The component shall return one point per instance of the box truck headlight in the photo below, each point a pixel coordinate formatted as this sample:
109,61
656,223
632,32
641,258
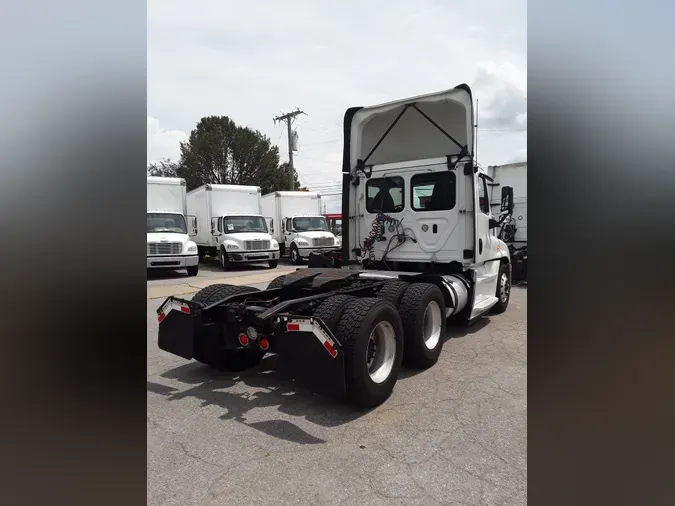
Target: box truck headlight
232,246
275,244
192,248
302,242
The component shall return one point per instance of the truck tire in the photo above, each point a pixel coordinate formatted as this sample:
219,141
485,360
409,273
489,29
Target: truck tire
331,310
503,292
423,315
210,353
393,292
371,335
192,271
222,259
273,264
295,255
218,291
277,282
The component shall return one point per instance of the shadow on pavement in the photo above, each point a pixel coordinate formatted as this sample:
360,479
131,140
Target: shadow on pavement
453,331
273,389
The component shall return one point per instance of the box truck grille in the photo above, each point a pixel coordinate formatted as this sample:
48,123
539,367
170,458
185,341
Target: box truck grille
256,245
323,241
165,248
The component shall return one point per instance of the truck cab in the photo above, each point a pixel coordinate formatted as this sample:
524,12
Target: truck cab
306,234
416,201
244,238
169,244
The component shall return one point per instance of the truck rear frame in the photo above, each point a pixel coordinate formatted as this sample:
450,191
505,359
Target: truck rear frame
317,321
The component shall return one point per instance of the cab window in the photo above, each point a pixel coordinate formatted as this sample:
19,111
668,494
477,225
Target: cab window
385,194
433,191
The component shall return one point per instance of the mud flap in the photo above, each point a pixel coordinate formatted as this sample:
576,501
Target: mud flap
178,321
305,358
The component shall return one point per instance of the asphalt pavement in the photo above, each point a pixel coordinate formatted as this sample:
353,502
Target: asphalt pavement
454,434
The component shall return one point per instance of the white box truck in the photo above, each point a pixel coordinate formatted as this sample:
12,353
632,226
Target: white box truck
298,224
168,239
230,225
514,230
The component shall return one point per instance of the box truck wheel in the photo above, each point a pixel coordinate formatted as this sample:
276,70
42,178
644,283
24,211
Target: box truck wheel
503,290
295,255
193,270
222,258
273,264
371,334
423,315
210,352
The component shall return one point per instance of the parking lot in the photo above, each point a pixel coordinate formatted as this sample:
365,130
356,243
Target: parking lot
454,434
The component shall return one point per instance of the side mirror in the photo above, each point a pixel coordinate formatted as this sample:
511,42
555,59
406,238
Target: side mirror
507,200
192,220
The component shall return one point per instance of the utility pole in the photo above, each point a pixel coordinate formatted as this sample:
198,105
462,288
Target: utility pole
288,118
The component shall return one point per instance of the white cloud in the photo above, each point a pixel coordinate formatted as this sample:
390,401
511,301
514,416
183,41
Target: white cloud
163,143
253,60
521,156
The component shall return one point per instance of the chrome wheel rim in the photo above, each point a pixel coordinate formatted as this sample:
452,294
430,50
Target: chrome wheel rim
294,255
504,288
381,352
432,325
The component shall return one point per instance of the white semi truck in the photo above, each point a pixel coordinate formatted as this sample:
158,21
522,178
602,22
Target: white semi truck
298,223
418,250
168,239
230,225
514,230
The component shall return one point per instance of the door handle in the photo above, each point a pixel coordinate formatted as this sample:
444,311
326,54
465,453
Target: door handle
480,246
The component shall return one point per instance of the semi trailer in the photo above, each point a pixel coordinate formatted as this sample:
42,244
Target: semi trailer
230,225
168,232
418,251
298,224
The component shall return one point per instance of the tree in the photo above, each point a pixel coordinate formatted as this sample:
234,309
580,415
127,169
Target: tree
277,180
164,168
220,152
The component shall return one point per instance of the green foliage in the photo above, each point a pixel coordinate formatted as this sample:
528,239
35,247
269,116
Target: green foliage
164,168
219,151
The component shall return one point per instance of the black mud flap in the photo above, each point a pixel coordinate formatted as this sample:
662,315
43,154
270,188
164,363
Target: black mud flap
303,357
178,323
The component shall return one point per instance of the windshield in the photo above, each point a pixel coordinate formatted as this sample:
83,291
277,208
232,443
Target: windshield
165,222
236,224
310,224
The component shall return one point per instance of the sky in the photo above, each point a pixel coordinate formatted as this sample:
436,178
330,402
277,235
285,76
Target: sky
254,60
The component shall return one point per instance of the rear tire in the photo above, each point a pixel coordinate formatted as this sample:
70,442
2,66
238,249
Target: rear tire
331,310
192,271
393,292
371,335
273,264
503,292
423,315
277,282
213,353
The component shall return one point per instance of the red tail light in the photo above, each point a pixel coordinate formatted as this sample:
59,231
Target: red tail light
264,343
243,339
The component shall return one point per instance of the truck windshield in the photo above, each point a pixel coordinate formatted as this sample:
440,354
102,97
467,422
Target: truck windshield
166,222
310,224
236,224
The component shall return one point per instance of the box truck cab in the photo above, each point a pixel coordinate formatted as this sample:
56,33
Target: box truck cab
230,225
299,226
168,232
